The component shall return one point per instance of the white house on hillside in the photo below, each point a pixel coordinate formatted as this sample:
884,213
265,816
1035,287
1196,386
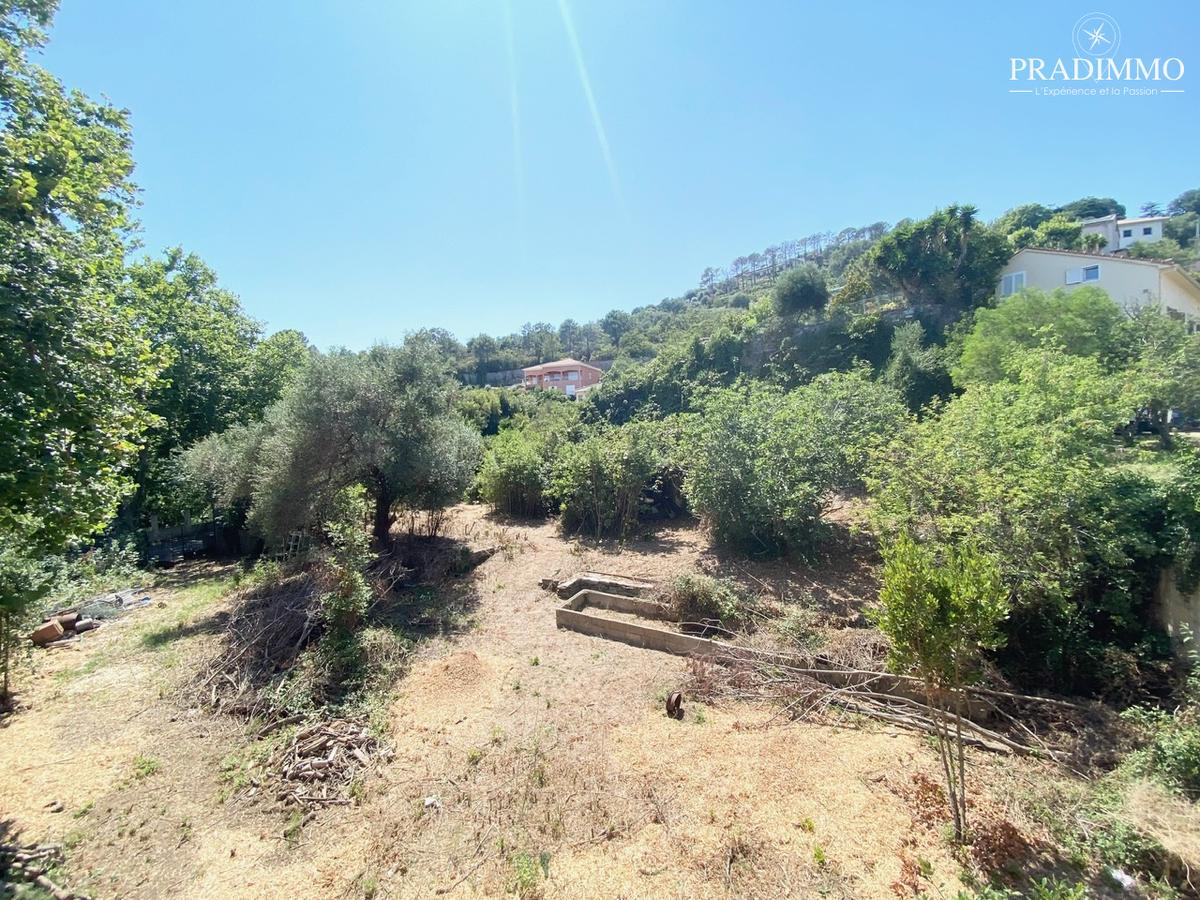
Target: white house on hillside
1132,283
1121,234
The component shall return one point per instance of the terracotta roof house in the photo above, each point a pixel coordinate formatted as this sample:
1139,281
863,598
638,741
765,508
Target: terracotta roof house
570,376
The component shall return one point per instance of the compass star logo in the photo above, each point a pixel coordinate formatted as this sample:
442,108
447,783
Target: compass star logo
1096,34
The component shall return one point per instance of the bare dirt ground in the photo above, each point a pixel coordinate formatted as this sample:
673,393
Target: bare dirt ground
527,760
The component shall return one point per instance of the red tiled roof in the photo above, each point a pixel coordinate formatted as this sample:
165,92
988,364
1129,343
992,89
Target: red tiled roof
558,364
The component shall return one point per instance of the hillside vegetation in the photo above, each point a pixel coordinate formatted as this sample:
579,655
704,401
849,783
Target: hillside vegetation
1010,476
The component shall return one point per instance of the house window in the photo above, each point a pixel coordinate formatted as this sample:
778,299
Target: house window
572,376
1148,230
1091,273
1127,232
1012,283
556,377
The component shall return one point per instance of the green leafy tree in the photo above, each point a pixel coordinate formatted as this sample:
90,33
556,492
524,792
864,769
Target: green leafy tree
949,259
1082,322
1182,229
1166,249
1059,232
1165,370
1026,216
274,364
1091,208
1187,202
615,324
207,342
384,419
939,610
75,368
799,290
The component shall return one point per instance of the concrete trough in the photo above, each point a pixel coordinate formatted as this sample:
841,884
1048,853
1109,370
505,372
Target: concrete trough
602,582
573,615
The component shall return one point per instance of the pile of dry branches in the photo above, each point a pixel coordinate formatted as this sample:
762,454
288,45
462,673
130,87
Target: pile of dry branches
317,766
267,630
815,689
30,864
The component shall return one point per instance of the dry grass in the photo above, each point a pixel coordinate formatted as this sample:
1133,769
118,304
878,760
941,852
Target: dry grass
526,760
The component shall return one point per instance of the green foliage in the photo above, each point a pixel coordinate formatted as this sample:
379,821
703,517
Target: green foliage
76,369
1019,466
515,477
1183,494
1181,229
1082,322
484,408
915,371
1171,740
1163,250
801,289
611,480
1091,208
1187,202
22,582
205,341
527,871
939,607
700,599
1028,215
762,464
384,419
108,566
1164,371
671,382
348,556
275,363
949,259
835,344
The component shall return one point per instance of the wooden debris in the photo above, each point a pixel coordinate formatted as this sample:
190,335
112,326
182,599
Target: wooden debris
47,632
31,863
321,760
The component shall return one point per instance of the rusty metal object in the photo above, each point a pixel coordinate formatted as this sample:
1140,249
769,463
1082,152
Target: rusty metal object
675,706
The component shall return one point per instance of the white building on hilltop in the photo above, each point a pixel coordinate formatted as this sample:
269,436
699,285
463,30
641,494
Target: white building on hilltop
1121,234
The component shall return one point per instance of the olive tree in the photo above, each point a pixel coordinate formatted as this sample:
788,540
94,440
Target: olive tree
385,419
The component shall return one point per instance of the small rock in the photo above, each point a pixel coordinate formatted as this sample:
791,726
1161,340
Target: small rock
433,802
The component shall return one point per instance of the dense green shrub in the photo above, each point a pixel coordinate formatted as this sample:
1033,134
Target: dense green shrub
1171,750
1023,466
670,383
609,481
702,599
917,371
1082,322
515,476
762,464
801,289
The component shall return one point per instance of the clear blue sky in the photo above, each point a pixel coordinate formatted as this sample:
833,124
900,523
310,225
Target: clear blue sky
349,167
